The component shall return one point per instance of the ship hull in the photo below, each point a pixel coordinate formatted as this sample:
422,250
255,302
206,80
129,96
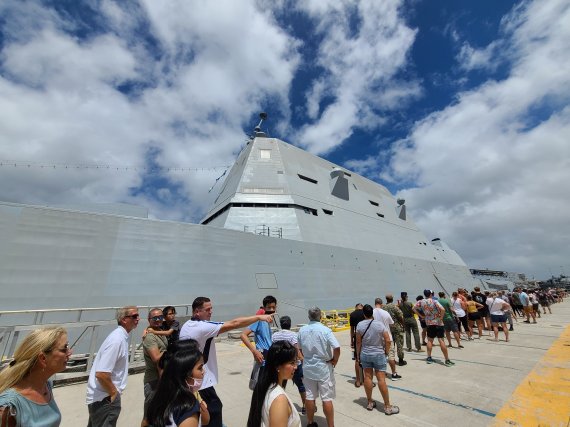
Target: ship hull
51,258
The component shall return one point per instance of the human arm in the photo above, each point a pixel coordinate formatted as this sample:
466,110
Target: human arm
160,332
106,383
352,336
257,355
358,346
416,310
242,322
204,413
336,355
299,353
279,411
478,305
387,342
192,421
6,417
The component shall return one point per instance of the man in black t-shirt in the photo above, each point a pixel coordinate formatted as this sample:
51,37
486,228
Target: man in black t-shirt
356,317
484,311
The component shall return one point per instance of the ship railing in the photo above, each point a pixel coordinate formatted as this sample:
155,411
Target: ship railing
264,230
85,335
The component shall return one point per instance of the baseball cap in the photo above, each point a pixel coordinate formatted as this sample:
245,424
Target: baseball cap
427,292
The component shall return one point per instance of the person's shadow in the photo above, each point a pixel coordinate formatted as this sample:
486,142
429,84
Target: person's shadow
363,402
319,417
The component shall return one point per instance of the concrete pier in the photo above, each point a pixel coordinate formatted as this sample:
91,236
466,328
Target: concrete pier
483,388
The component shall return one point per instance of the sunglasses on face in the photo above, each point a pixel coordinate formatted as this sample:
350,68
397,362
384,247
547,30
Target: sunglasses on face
64,349
133,316
157,318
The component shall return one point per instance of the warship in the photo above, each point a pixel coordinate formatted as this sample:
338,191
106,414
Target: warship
285,223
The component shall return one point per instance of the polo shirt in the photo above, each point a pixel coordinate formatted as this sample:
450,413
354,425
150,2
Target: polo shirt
201,331
112,357
317,343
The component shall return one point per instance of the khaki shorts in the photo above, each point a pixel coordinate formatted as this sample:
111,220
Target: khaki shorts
326,390
528,309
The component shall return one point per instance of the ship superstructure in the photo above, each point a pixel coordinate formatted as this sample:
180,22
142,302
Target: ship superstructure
285,222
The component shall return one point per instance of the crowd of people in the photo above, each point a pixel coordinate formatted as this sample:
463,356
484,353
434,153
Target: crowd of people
181,369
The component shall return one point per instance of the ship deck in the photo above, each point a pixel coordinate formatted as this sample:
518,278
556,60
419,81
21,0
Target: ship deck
523,382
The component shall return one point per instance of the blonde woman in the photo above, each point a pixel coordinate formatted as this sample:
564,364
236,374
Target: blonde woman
26,398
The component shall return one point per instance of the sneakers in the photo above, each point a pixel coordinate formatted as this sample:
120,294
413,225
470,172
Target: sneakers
429,360
396,377
511,329
402,362
420,350
449,363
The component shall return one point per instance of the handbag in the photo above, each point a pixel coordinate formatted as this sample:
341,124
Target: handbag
366,330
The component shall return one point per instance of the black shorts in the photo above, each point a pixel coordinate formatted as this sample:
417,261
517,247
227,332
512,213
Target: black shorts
435,331
474,316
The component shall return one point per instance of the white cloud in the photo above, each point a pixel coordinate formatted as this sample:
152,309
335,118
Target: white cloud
208,68
491,168
363,46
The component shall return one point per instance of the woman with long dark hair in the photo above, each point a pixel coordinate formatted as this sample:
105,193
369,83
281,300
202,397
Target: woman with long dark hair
176,401
270,405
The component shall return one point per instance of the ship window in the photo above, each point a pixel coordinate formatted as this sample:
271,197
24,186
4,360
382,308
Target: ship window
380,215
372,202
327,212
306,178
347,174
264,154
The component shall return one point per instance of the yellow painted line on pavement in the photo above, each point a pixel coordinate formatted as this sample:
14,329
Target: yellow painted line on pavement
543,397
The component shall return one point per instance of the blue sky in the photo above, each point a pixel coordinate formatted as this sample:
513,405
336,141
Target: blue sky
460,107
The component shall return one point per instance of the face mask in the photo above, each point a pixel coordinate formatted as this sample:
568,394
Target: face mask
197,384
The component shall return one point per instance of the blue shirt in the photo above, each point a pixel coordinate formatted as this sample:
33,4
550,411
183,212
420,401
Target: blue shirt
262,333
317,343
524,299
29,413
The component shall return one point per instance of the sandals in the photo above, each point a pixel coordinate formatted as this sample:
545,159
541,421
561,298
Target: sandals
371,406
392,410
357,384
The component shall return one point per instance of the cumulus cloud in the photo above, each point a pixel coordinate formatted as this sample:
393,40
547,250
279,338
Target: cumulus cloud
139,84
490,169
362,48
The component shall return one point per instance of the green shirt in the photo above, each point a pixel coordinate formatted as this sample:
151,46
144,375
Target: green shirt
447,305
151,340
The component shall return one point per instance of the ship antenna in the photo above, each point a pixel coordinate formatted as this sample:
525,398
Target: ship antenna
262,117
257,130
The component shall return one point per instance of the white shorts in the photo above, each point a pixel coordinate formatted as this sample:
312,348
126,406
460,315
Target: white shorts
326,390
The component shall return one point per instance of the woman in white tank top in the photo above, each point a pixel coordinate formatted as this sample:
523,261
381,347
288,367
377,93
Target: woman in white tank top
270,405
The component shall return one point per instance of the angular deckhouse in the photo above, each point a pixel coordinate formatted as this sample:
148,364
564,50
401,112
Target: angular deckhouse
285,223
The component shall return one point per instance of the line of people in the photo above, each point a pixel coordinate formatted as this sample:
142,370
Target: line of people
181,367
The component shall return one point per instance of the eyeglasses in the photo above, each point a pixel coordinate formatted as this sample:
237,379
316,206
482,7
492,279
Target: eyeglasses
157,318
65,349
133,316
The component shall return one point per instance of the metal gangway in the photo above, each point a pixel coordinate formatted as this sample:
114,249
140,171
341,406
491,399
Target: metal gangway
87,327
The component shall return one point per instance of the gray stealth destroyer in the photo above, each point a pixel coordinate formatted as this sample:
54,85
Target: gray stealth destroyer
285,223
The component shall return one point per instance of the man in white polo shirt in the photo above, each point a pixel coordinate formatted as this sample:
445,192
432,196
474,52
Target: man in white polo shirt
108,376
201,329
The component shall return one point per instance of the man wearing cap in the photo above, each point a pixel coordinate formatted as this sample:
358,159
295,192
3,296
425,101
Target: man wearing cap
433,312
410,323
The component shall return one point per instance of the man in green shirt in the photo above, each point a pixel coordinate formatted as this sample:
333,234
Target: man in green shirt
153,347
449,321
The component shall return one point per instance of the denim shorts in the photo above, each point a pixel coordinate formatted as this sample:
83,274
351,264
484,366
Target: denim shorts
377,362
498,318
